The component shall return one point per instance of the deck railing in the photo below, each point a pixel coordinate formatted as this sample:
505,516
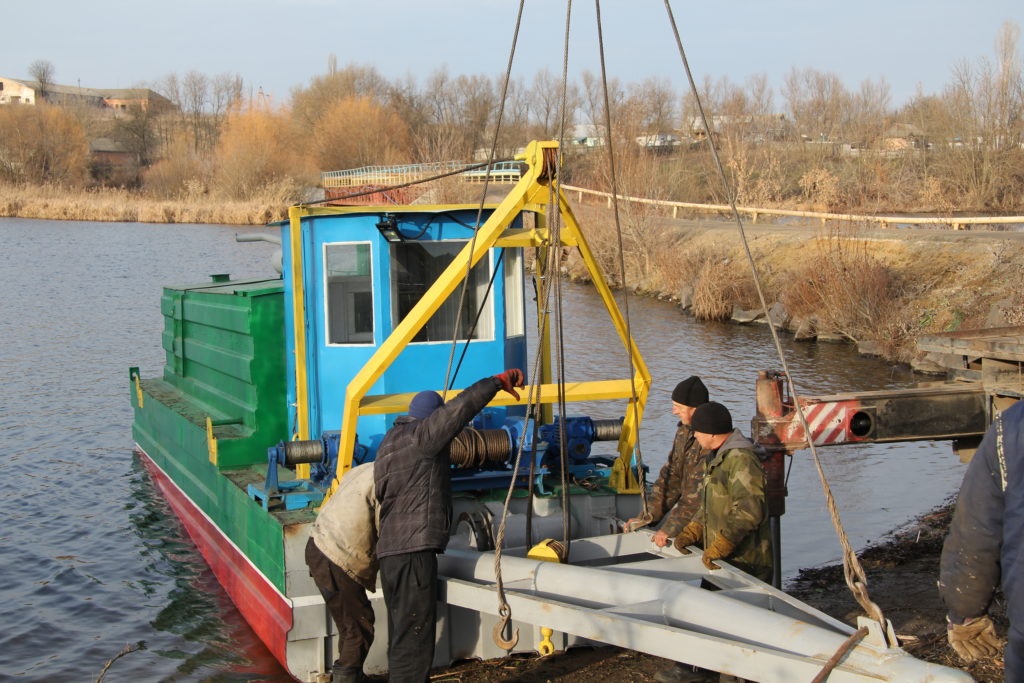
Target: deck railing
383,176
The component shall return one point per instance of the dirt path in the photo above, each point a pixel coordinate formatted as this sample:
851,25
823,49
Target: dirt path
902,571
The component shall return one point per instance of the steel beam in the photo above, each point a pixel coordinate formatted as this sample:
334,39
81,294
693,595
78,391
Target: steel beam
655,607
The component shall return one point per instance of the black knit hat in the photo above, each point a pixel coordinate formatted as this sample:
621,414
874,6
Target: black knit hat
690,392
711,418
424,403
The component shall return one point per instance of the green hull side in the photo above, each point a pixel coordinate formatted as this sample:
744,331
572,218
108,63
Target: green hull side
224,347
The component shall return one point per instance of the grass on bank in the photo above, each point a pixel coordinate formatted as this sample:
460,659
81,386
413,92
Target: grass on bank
57,203
836,282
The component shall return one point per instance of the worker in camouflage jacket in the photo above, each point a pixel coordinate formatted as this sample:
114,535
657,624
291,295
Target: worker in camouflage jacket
985,547
732,518
675,495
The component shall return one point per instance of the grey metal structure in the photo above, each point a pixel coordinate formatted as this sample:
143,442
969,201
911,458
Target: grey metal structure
622,590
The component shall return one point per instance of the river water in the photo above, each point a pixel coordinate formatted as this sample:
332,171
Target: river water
92,558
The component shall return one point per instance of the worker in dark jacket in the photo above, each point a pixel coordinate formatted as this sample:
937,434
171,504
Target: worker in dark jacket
985,546
413,487
675,495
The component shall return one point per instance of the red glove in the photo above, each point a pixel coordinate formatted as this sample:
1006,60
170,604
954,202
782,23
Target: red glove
509,379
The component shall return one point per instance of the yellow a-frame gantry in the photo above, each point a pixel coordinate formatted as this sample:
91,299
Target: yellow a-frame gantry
532,193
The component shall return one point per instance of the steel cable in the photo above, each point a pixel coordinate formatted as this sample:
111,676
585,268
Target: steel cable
504,611
641,479
853,571
555,223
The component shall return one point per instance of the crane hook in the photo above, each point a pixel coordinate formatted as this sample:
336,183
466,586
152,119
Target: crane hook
499,630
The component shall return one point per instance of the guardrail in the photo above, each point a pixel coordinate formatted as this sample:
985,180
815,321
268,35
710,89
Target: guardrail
956,222
501,172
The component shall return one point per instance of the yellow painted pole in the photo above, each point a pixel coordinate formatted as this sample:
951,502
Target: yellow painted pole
299,327
642,378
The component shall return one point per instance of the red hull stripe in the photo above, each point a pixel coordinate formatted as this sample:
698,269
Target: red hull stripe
268,612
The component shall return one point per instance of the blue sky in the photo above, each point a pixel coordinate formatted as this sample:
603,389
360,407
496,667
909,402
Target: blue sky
280,44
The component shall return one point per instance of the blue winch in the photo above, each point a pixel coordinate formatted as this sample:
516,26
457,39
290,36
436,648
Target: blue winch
482,457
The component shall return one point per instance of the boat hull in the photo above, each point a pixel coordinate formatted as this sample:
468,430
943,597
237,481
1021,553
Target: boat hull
267,611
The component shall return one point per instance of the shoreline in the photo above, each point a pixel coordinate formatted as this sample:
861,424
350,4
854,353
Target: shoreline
122,206
877,289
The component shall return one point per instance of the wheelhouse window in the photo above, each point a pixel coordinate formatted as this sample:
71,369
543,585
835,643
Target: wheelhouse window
414,268
349,293
515,321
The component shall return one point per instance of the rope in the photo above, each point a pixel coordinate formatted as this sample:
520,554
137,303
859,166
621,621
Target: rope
834,660
533,405
622,261
503,608
853,572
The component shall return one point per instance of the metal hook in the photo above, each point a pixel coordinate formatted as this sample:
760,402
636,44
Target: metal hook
499,630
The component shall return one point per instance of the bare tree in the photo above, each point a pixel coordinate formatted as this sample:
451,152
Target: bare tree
818,103
42,70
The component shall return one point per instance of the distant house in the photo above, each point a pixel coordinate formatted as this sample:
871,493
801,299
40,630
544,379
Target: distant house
659,142
17,91
754,127
588,135
901,136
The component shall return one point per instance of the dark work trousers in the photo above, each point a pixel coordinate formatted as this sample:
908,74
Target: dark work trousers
350,608
409,581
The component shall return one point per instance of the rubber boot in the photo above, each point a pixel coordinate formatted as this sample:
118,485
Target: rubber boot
347,674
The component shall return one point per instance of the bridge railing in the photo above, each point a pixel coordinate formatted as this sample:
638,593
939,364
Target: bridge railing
956,222
383,176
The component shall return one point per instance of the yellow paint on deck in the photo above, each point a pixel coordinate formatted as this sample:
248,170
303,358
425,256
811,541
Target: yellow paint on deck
211,440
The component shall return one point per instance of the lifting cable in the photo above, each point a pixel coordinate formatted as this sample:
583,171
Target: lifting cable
641,479
533,411
853,571
554,269
504,611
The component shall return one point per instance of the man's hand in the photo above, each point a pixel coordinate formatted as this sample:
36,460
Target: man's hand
721,548
974,639
634,523
660,539
510,379
691,533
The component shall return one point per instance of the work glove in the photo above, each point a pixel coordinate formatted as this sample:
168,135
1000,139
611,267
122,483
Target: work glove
721,548
691,533
510,379
974,639
634,523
